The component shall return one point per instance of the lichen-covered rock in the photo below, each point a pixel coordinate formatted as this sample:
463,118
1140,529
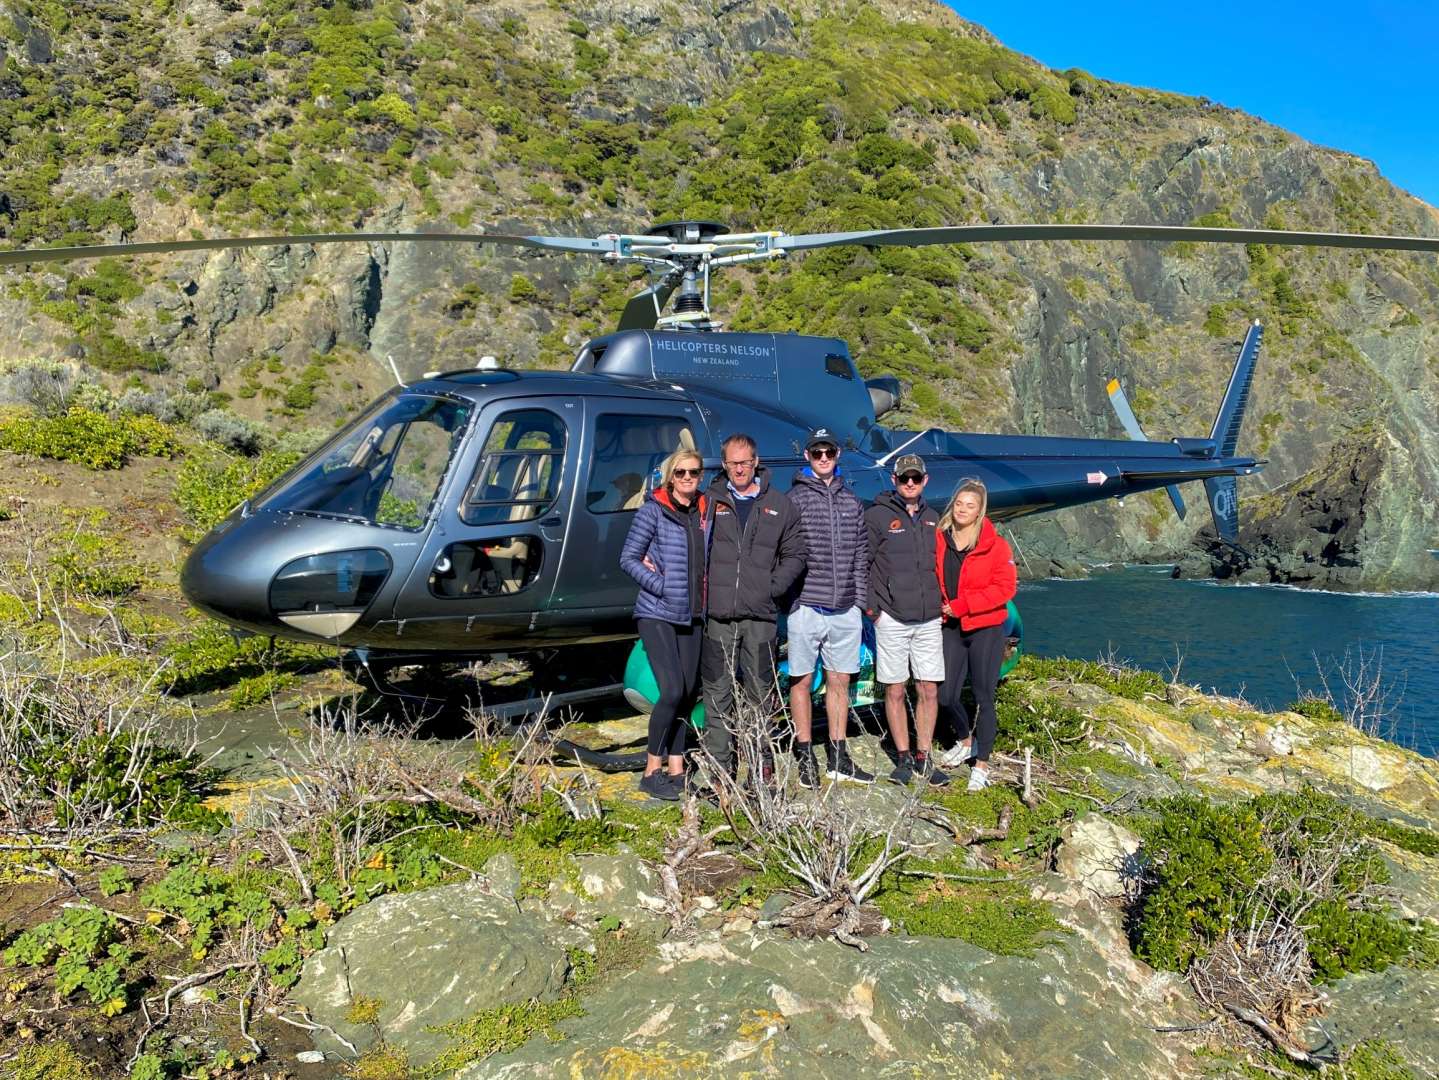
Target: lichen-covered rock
1101,855
1399,1005
431,958
772,1006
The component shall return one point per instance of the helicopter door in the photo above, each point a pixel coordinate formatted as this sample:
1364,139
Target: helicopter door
627,439
491,560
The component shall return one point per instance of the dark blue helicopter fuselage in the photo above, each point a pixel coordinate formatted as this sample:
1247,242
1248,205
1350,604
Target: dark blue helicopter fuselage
512,541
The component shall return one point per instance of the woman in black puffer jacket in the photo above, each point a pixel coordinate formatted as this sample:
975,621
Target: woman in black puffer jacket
665,552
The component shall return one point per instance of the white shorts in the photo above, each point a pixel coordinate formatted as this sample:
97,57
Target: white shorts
836,636
903,648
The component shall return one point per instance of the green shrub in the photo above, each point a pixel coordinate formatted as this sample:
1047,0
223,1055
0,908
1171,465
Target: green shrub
89,438
117,776
211,484
1316,708
1215,868
1205,861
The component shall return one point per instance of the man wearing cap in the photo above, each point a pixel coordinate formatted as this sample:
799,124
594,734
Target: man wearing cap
756,555
825,620
904,603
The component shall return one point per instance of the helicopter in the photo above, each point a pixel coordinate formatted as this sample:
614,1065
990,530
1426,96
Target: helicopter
481,511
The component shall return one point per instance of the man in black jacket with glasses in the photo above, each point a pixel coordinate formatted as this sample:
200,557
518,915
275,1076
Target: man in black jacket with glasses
756,555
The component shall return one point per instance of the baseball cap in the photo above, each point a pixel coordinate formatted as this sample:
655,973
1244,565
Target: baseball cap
907,463
820,436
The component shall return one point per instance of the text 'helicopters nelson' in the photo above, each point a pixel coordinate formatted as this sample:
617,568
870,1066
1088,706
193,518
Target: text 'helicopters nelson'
483,510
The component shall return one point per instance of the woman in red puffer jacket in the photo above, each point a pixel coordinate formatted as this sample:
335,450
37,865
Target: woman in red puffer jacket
976,582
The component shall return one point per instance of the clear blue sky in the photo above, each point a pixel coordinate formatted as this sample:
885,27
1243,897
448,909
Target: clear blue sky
1360,76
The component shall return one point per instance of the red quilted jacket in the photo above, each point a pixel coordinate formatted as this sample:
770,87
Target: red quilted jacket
987,579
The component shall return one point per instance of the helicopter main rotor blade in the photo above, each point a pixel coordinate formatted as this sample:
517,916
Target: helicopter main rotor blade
969,234
642,310
164,247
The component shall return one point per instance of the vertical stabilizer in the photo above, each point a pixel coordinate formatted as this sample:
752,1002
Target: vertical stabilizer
1236,397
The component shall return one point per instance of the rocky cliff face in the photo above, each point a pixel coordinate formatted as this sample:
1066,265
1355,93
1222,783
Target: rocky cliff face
583,117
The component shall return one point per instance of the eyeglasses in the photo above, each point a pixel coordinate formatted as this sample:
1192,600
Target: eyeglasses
911,478
823,453
683,474
739,464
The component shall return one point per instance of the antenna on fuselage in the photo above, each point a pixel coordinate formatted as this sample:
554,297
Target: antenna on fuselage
391,358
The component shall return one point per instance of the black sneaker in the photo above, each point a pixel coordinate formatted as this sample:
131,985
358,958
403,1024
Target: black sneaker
659,786
903,769
924,765
808,765
842,766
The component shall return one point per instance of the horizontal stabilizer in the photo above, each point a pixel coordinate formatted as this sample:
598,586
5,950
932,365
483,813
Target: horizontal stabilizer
1130,423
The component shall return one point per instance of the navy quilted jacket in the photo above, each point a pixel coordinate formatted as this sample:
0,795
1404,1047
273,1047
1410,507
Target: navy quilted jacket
659,532
837,548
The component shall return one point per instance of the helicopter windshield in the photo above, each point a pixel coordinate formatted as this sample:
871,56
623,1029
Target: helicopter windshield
385,469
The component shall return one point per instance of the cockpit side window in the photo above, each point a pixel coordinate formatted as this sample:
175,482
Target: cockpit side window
519,472
627,449
385,469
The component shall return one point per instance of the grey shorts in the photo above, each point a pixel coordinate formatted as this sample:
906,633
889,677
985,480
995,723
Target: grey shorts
831,639
902,649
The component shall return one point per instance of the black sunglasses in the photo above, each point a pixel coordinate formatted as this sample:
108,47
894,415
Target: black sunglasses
824,452
911,478
682,473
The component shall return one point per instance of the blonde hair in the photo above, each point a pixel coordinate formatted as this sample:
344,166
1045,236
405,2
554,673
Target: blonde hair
668,466
967,537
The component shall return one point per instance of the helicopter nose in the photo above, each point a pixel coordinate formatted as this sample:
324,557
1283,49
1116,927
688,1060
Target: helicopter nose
227,576
264,574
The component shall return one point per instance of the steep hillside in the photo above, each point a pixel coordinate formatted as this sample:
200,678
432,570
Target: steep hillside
162,118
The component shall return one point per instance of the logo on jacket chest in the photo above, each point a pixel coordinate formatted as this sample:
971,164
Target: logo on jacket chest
896,526
771,511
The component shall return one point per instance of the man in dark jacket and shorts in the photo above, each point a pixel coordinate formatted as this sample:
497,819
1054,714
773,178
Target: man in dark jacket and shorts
904,602
826,619
756,556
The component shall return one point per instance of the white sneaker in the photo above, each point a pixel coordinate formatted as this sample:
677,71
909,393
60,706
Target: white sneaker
957,755
978,780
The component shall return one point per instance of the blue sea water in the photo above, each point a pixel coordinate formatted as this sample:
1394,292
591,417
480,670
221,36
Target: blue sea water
1268,644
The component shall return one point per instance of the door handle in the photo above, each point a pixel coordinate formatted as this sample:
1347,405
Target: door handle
550,522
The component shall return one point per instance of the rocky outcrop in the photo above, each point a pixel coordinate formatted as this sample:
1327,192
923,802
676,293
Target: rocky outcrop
1351,523
777,1006
403,965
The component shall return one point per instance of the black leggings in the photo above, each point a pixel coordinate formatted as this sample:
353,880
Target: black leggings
674,655
978,655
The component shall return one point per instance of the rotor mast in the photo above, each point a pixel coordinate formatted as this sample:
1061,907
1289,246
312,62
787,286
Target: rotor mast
686,251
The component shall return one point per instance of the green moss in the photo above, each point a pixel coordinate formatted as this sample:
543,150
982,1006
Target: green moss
259,689
50,1060
1117,678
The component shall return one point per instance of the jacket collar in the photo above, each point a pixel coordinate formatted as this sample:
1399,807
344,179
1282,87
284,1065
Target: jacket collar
891,498
807,477
662,496
985,541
